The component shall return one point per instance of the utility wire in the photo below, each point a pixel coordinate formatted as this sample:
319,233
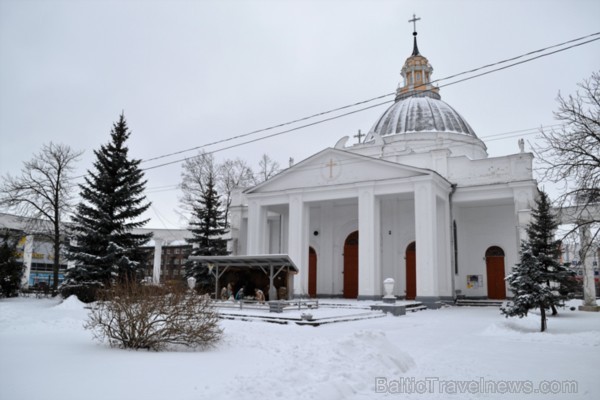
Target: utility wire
520,130
270,128
364,102
268,136
524,55
520,62
393,93
492,138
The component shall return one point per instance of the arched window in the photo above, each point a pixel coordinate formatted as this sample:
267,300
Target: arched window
494,251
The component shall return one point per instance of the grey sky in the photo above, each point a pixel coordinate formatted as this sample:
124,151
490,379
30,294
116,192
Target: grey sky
191,72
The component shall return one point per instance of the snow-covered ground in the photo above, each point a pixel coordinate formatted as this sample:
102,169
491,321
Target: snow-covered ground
46,354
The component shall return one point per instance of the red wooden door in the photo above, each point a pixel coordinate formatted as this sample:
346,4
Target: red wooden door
351,266
411,272
494,263
495,276
312,272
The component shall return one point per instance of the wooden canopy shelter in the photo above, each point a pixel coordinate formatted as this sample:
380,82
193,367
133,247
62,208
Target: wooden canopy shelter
271,264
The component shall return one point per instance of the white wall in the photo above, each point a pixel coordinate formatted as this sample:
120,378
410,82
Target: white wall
478,228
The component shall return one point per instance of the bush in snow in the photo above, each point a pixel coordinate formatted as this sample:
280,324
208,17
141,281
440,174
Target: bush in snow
148,317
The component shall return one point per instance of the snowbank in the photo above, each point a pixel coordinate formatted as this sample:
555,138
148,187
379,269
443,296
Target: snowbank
71,303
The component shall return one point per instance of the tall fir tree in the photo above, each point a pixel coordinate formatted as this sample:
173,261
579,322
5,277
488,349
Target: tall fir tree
11,270
541,235
208,228
105,248
537,279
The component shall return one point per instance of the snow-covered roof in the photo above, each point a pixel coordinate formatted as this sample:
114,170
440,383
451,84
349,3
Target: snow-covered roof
249,261
424,112
418,106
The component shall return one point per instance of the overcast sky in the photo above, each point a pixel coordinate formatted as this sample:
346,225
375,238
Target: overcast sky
187,73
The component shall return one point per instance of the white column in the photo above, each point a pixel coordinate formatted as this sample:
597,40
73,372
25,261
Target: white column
444,255
426,239
298,242
326,276
369,271
27,259
257,228
589,288
158,243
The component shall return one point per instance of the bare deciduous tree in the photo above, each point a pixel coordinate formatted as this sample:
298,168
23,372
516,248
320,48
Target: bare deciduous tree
267,168
194,175
570,157
228,175
233,174
43,194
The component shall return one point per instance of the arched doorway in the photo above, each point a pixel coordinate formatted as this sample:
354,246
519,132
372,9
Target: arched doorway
411,271
312,272
351,266
494,264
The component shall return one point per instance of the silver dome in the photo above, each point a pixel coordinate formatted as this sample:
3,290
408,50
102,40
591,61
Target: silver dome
423,112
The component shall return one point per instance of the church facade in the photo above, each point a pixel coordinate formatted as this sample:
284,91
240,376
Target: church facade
418,200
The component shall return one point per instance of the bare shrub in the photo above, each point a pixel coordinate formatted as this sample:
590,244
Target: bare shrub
135,316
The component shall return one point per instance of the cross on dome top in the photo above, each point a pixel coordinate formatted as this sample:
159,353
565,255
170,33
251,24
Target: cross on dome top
414,21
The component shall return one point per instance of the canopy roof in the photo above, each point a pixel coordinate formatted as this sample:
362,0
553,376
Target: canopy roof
250,262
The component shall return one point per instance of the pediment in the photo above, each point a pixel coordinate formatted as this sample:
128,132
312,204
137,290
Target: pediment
333,167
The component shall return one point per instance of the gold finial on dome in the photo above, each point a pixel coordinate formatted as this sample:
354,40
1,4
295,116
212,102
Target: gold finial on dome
416,72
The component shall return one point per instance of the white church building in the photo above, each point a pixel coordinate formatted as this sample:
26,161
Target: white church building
418,200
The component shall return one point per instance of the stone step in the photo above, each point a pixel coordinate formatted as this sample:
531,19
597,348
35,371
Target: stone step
416,307
478,303
281,319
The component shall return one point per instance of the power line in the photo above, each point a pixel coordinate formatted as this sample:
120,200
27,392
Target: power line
270,128
268,136
387,95
525,55
493,137
365,102
520,62
520,130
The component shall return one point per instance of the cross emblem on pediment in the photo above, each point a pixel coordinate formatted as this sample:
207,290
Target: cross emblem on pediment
331,169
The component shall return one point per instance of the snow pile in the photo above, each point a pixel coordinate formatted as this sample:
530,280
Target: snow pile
375,352
71,303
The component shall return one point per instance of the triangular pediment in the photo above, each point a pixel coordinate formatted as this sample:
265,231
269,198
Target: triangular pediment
333,167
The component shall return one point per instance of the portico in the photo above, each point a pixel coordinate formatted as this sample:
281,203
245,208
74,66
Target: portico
321,201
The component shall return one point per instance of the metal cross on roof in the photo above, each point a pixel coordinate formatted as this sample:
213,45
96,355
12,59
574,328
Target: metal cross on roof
414,21
359,135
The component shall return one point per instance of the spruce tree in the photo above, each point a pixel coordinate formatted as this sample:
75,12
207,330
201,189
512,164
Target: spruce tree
547,249
105,248
536,280
11,271
208,228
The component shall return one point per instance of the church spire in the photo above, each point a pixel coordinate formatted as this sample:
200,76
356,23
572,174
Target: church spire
416,73
414,21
